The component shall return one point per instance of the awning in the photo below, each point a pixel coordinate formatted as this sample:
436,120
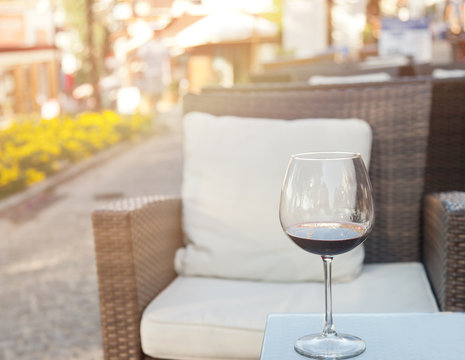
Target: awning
223,27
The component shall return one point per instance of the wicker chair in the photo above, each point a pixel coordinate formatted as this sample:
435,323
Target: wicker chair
304,72
136,239
446,139
427,69
446,145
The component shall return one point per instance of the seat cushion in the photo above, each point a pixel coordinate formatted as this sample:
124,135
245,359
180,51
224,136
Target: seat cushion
200,318
232,177
348,79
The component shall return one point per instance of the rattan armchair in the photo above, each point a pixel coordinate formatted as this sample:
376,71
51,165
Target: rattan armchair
135,239
299,72
445,158
446,143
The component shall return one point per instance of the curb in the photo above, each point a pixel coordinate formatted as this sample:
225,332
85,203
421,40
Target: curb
67,174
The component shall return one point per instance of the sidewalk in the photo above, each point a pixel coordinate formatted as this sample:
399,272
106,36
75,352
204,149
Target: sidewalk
49,296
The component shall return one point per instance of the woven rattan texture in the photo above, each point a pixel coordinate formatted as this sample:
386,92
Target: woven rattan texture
134,262
446,143
398,113
446,150
427,69
304,72
444,249
157,234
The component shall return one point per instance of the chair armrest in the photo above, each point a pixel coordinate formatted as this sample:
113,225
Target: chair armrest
444,248
135,243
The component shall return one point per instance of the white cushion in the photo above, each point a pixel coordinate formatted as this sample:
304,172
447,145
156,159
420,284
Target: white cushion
373,62
232,177
352,79
448,73
199,318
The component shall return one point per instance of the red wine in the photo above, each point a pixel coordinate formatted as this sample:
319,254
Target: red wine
327,238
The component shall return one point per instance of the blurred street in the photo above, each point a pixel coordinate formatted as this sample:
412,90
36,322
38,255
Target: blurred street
49,303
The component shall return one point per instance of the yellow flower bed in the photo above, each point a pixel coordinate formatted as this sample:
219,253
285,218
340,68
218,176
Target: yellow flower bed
32,149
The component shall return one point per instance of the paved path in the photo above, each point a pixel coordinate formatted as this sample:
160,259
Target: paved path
48,282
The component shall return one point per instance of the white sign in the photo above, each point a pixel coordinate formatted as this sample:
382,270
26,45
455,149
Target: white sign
410,38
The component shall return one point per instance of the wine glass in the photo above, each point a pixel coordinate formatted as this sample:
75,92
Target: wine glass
327,209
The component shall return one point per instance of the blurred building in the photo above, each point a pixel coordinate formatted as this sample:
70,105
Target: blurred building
28,58
220,48
211,42
223,42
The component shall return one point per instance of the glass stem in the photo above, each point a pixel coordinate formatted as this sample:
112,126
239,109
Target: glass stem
329,325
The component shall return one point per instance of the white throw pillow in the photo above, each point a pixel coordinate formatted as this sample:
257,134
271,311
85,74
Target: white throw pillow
353,79
232,177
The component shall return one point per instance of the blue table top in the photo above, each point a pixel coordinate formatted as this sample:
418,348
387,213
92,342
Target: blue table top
410,336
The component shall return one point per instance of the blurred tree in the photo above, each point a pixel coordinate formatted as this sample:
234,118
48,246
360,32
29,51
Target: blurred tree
276,15
92,36
92,60
372,27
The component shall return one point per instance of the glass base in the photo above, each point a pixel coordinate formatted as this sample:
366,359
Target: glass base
337,346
